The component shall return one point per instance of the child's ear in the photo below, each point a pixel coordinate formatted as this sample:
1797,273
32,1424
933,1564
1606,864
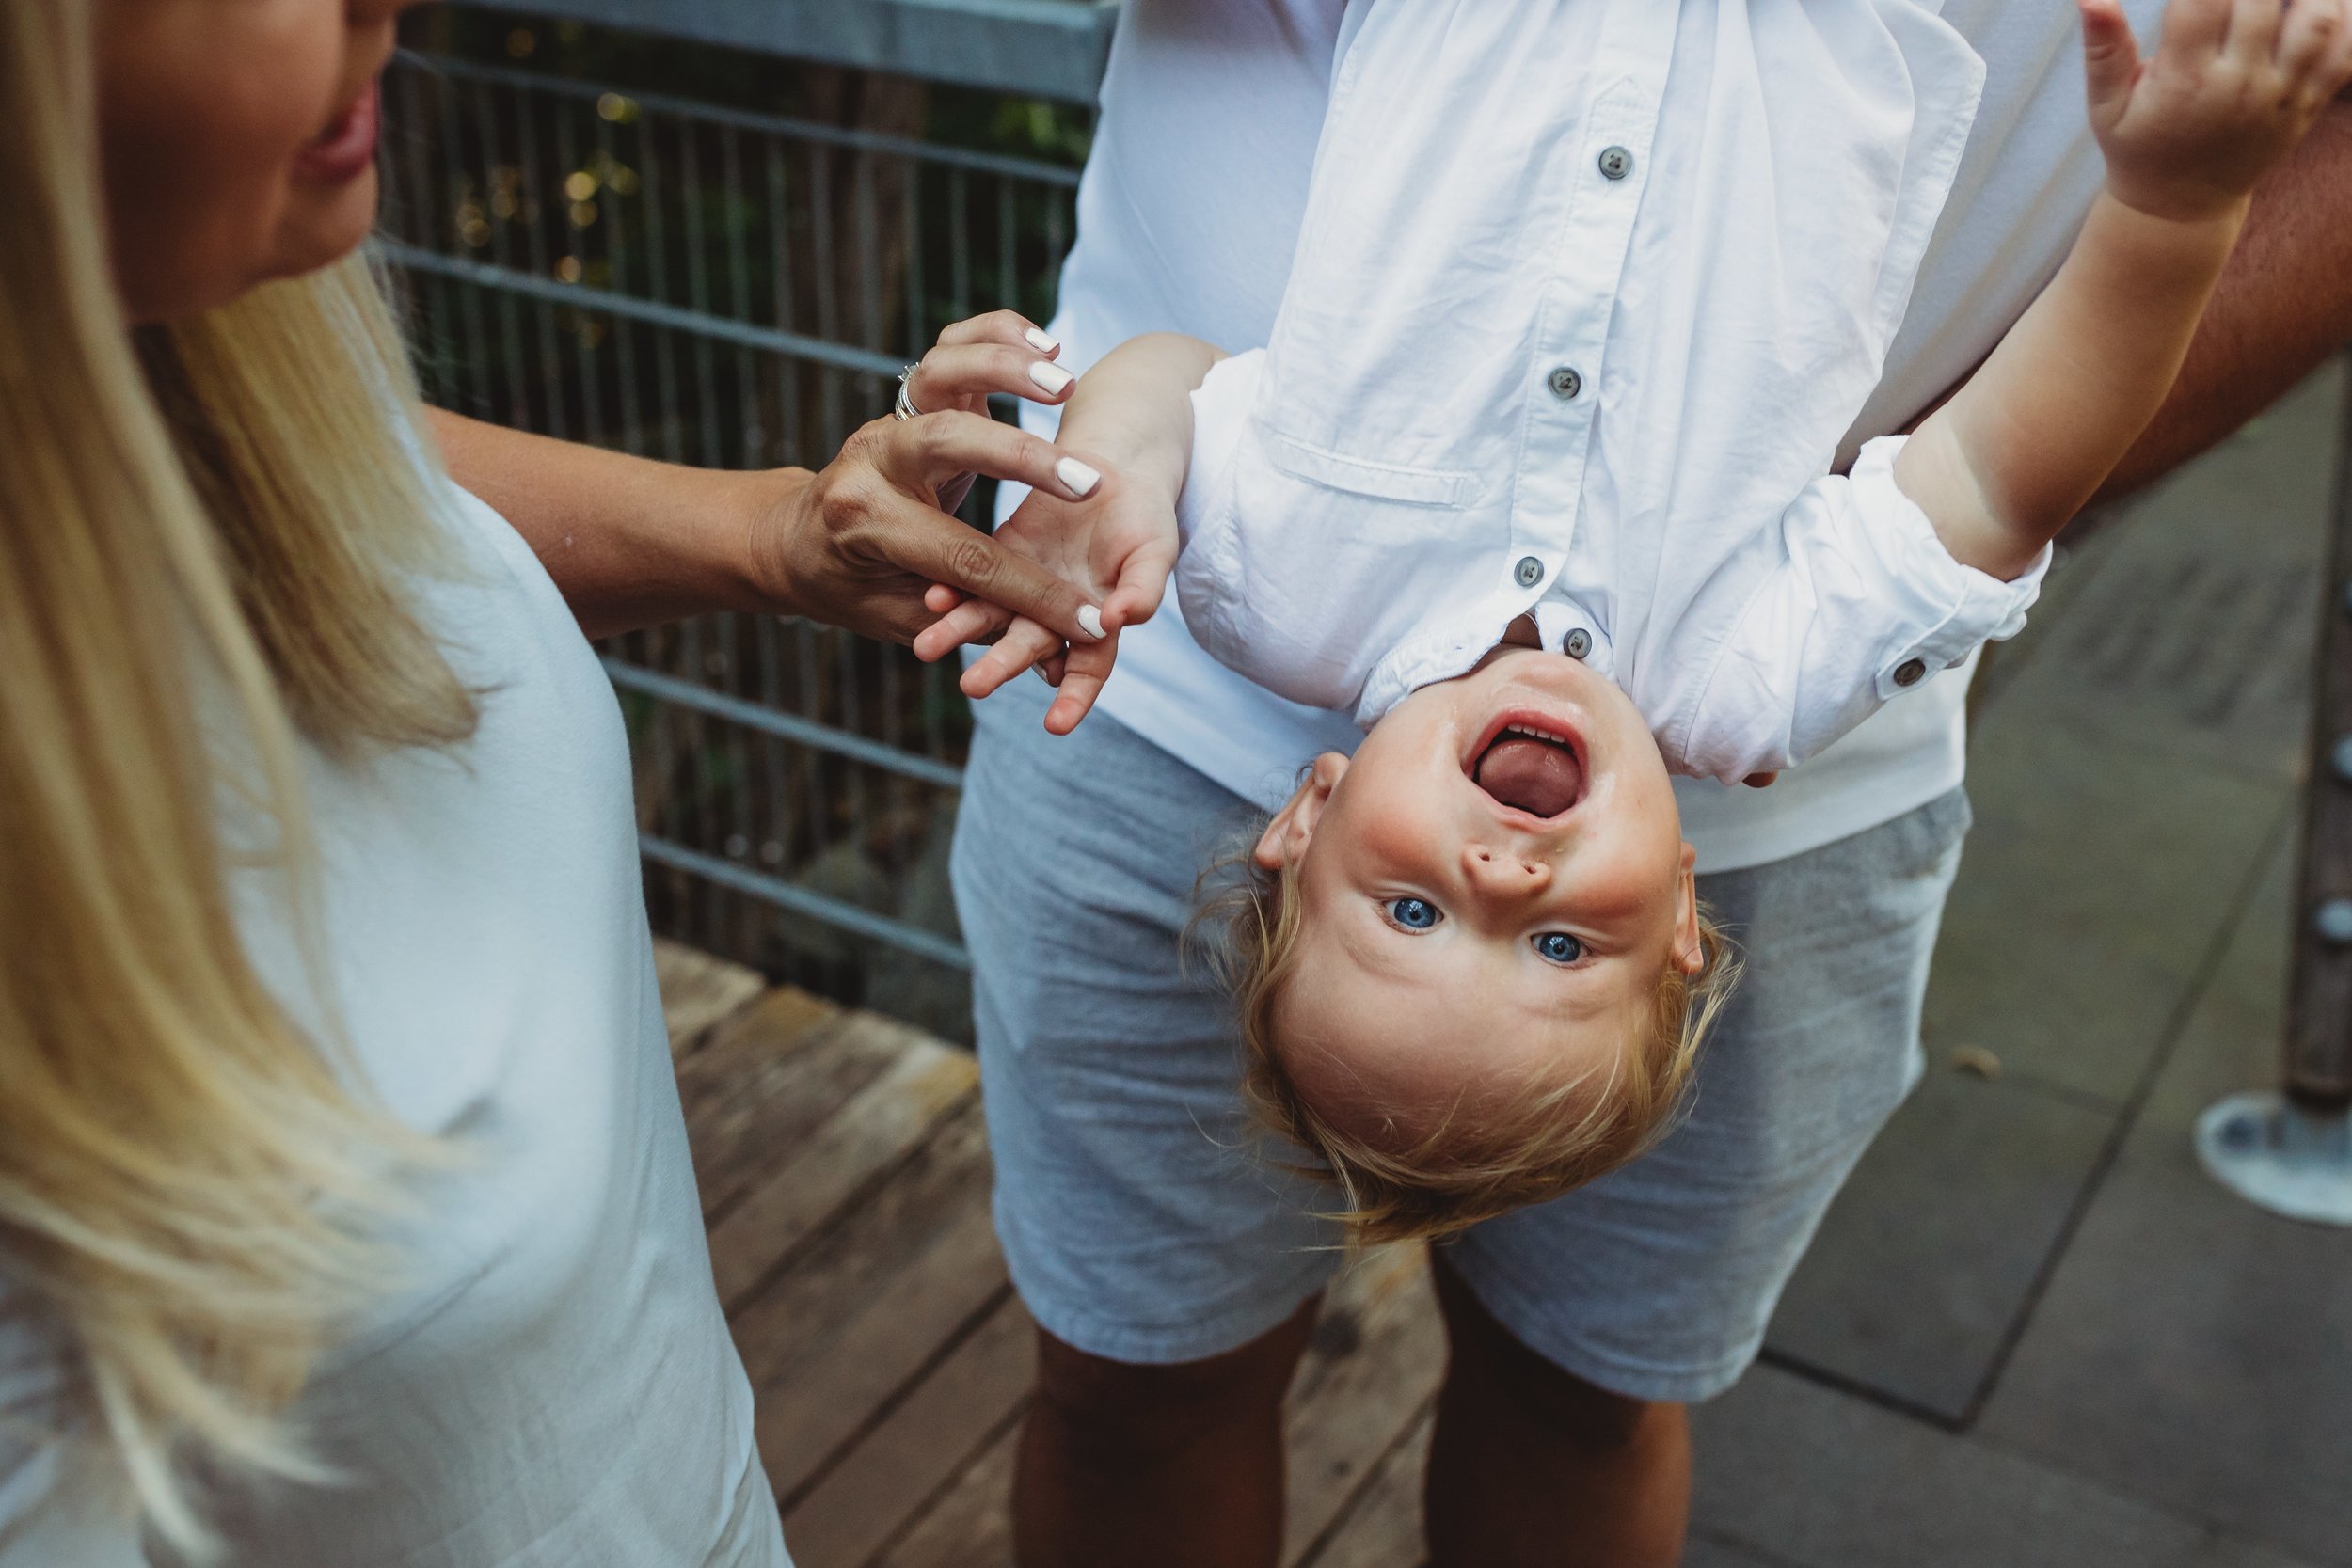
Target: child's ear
1690,951
1285,839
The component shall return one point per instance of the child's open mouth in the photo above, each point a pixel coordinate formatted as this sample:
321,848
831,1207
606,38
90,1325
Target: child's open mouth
1530,768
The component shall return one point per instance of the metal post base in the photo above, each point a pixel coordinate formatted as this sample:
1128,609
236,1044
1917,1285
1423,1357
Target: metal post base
2278,1156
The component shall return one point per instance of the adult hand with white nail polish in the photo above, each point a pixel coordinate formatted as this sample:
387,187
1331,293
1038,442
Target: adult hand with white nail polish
1001,352
857,544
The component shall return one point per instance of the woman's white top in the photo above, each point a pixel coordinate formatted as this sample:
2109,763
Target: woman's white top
1585,296
553,1385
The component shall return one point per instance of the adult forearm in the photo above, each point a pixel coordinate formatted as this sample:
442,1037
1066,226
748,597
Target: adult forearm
2283,303
630,541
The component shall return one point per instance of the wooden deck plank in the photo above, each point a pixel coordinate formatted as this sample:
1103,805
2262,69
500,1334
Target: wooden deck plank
699,991
880,1126
930,1439
764,1084
845,1170
1381,1526
839,1273
1372,1368
839,1390
970,1524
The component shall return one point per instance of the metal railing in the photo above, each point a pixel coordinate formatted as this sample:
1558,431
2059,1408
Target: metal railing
1051,49
732,289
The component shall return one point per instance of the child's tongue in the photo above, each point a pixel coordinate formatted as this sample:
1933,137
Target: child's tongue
1534,776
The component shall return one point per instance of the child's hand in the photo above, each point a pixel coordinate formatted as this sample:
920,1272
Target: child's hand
1001,352
2232,86
1116,547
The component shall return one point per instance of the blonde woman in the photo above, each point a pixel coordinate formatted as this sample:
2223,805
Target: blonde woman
345,1210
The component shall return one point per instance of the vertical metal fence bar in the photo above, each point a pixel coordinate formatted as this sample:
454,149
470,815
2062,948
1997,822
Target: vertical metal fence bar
617,251
960,244
495,222
919,332
821,274
567,217
657,281
698,294
787,376
469,299
1008,240
586,330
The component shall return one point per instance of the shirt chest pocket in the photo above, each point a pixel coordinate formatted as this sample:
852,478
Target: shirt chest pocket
1409,495
1313,562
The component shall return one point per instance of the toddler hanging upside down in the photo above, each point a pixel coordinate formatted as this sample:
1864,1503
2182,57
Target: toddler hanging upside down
1549,541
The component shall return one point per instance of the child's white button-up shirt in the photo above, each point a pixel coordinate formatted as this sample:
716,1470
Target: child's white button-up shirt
1585,296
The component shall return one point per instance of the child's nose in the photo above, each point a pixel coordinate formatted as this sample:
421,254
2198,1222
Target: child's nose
1504,875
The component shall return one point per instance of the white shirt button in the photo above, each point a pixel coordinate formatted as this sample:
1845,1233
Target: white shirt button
1528,572
1615,163
1910,671
1564,383
1578,643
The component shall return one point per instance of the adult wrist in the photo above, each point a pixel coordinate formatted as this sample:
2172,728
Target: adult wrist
768,523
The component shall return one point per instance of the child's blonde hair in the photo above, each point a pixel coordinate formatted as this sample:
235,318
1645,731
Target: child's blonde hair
1558,1135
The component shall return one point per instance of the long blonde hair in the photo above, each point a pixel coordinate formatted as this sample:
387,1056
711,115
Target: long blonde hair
206,535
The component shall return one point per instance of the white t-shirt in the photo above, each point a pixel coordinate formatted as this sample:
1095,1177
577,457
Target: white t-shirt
553,1387
1189,218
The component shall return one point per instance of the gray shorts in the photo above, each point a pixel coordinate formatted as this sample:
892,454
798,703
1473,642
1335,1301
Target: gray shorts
1141,1220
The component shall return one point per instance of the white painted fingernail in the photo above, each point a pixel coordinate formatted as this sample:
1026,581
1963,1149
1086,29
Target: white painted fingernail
1090,620
1052,377
1077,478
1042,340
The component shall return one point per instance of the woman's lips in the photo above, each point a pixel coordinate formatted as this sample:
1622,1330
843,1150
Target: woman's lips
347,149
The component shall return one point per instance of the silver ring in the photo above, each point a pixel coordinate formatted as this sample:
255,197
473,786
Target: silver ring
904,408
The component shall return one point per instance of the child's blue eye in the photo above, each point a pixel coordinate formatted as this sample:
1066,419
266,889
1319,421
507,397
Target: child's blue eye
1414,914
1560,947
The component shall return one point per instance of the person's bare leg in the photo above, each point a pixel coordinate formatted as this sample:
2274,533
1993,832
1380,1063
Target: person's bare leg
1174,1466
1532,1465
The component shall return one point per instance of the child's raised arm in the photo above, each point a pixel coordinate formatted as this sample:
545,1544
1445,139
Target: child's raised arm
2032,435
1133,413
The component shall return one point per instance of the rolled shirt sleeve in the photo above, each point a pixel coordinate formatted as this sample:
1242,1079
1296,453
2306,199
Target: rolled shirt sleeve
1220,410
1863,607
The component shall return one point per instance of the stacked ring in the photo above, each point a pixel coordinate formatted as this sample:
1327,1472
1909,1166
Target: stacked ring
904,408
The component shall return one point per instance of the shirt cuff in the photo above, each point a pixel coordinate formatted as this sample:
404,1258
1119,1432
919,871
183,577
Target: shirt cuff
1220,410
1954,608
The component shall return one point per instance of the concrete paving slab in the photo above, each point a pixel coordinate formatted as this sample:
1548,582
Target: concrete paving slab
2189,1347
2135,747
1705,1552
2093,885
1926,1259
2184,626
1795,1474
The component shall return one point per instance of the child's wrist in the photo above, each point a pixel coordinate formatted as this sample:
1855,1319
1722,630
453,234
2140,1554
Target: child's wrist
1144,455
2192,208
2187,240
